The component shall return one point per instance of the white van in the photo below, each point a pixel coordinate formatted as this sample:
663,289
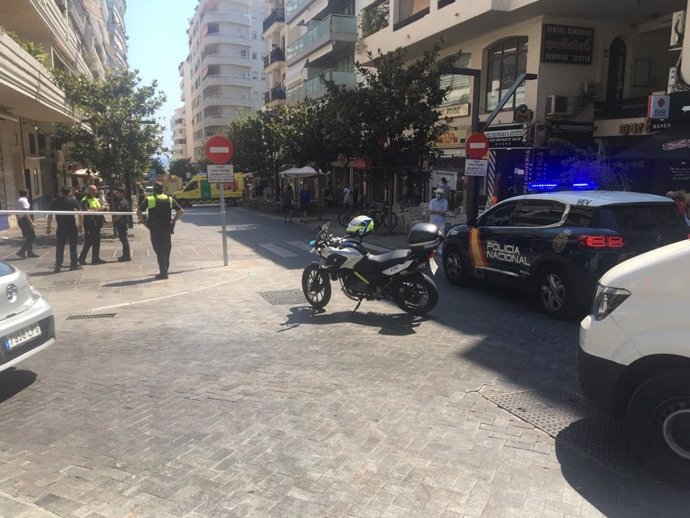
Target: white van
635,355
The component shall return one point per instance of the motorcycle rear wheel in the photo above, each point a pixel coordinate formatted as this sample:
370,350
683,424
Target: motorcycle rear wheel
416,295
316,286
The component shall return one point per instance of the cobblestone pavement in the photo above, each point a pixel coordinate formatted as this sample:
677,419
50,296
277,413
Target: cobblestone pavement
199,398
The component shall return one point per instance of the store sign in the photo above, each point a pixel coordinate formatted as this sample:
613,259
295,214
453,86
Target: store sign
451,139
455,110
571,129
567,44
657,125
634,128
679,110
659,107
507,135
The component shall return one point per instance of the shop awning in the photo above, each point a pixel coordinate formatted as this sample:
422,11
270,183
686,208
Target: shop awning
673,145
298,172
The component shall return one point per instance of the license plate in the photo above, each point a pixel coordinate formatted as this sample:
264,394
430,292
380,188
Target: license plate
433,266
22,336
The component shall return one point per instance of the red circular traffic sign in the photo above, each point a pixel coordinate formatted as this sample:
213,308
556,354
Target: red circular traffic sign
476,145
219,150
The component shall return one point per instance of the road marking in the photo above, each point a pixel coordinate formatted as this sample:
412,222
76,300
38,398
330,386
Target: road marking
282,252
301,245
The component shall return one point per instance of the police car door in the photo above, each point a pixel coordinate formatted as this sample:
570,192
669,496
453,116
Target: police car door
528,238
485,240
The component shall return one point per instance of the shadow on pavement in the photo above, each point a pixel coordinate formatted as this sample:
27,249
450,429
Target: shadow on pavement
13,381
400,324
132,282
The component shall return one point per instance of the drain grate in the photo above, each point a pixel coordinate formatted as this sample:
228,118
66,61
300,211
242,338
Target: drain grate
279,297
559,412
91,316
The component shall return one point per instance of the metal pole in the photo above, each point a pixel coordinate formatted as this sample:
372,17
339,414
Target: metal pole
472,208
222,223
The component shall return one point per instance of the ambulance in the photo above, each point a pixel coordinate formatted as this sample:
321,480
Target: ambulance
199,191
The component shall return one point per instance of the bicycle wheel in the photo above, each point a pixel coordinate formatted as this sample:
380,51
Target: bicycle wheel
390,220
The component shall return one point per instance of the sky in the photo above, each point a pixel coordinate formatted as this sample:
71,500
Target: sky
157,44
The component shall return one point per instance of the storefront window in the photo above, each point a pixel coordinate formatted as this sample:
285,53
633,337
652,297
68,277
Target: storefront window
507,61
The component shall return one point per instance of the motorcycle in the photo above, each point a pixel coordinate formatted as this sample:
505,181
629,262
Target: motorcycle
397,275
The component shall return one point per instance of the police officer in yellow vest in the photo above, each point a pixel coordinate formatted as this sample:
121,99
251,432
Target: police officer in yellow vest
160,224
92,226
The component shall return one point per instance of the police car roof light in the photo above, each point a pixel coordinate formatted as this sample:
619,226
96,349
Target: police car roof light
542,186
584,185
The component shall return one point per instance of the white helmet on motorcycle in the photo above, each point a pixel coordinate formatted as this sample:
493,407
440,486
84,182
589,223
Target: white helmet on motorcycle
360,226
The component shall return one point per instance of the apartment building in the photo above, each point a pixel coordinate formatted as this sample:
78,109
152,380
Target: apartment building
275,68
596,65
225,61
35,37
178,127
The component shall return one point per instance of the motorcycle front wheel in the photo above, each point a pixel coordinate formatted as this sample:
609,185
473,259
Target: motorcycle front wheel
316,286
416,295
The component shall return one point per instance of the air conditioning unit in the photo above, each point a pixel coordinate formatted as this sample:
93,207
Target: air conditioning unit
677,29
559,105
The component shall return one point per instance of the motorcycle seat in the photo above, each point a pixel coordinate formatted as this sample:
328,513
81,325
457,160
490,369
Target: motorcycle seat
379,262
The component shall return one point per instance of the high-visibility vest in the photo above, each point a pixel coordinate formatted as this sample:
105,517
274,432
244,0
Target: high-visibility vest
158,212
93,202
151,199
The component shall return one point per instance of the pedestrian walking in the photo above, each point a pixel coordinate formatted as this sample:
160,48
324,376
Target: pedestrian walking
304,199
160,224
67,228
92,227
122,222
445,188
286,199
347,196
437,212
26,224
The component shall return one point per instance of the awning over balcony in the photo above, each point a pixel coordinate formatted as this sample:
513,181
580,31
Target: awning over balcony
670,145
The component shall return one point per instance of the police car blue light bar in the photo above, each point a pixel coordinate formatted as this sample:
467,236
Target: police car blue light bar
542,186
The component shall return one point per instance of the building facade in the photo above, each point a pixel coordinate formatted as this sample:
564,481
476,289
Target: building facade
596,65
35,38
275,68
225,78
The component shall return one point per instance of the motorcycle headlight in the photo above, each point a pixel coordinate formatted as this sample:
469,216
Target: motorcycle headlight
606,300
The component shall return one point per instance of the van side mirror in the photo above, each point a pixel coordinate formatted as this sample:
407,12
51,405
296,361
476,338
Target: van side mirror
472,222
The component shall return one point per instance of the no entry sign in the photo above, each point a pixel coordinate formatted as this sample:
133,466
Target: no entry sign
219,150
476,145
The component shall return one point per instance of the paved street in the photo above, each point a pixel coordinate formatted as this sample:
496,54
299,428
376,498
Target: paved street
199,397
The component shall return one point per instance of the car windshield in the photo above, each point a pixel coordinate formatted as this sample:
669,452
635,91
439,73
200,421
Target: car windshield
640,216
5,269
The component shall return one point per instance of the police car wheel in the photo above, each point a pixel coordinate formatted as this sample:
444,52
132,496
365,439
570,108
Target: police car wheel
658,421
554,292
455,268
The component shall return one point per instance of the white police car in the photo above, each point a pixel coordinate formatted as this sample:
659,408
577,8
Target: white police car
27,325
558,244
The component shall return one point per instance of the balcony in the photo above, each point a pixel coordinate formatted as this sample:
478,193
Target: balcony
315,89
276,56
225,59
226,37
26,86
332,29
226,16
276,16
226,79
275,94
294,7
228,100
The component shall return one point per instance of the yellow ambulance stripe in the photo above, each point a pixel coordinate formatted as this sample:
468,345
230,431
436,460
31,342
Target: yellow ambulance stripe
476,252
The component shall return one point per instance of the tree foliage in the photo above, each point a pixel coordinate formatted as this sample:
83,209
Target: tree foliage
181,166
254,141
116,135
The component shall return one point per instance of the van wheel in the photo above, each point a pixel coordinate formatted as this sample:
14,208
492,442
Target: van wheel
455,267
658,421
555,295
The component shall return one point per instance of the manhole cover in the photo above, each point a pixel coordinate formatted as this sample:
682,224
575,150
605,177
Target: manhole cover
559,412
91,316
279,297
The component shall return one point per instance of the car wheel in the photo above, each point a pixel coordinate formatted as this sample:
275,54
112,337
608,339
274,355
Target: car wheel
554,292
455,267
658,421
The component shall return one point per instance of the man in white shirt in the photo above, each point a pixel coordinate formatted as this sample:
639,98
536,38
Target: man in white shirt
26,224
437,210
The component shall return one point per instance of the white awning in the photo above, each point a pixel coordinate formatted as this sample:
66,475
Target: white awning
299,172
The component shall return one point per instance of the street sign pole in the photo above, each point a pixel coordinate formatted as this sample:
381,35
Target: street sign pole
220,150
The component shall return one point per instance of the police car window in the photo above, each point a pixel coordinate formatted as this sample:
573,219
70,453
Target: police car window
192,186
640,216
579,217
538,213
500,216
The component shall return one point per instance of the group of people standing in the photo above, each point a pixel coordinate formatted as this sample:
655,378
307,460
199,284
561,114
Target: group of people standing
287,198
159,221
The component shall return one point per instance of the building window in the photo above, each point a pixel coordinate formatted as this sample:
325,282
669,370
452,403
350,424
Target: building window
410,11
254,35
255,56
507,61
459,86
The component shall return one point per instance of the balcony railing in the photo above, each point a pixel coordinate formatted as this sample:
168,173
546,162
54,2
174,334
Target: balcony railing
275,94
335,27
276,55
294,7
315,88
276,16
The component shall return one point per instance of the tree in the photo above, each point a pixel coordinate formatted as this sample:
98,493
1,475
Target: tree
391,117
254,142
157,166
115,135
590,166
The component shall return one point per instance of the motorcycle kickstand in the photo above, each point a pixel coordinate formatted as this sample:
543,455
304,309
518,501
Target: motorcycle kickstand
358,303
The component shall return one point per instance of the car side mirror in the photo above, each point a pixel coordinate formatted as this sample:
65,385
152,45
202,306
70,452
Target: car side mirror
472,222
